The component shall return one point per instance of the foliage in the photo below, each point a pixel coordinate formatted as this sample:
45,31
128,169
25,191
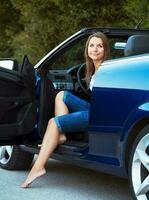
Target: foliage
9,26
138,12
35,27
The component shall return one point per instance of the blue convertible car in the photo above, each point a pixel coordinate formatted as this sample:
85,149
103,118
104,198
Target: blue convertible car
117,140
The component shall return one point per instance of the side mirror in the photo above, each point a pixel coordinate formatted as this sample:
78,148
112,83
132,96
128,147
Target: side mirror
8,63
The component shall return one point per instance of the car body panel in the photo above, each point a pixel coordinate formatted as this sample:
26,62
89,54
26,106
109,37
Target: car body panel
128,72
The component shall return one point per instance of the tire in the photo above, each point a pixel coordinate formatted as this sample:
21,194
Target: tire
139,166
14,158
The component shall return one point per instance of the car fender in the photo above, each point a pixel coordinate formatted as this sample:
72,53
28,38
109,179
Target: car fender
137,115
133,125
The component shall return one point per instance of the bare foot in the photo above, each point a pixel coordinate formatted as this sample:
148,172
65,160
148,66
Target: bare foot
34,174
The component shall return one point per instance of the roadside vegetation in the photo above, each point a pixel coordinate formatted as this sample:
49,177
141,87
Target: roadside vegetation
35,27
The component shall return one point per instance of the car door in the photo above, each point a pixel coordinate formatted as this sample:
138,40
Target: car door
17,101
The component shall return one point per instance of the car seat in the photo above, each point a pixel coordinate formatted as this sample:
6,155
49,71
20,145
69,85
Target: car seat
137,44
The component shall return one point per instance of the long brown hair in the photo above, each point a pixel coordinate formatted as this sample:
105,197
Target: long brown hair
89,71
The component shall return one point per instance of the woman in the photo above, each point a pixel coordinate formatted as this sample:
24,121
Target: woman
71,112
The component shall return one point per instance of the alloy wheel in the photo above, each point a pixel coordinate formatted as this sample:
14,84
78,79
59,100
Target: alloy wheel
140,169
5,154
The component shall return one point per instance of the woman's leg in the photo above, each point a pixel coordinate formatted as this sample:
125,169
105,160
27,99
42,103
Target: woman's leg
65,100
60,106
60,109
50,142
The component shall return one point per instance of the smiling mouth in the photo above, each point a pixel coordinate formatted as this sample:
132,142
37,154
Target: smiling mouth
96,54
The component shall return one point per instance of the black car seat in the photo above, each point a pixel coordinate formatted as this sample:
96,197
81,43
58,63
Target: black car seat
137,44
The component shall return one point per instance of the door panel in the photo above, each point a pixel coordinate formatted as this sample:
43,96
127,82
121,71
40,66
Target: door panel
17,101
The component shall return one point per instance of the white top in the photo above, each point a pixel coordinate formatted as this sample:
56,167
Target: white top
92,82
93,79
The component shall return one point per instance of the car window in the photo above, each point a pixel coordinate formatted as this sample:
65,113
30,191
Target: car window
72,56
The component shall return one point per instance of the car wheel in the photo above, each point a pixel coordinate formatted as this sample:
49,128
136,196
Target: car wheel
14,158
139,166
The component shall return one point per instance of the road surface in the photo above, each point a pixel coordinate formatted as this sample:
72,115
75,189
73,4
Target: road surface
64,182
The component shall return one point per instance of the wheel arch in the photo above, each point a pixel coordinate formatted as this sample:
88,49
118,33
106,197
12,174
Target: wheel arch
133,133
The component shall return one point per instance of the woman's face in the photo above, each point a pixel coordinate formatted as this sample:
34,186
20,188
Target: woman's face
96,49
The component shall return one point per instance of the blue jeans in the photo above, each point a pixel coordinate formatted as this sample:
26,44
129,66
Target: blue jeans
77,119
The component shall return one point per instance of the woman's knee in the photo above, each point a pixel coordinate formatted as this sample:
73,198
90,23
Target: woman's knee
52,126
59,96
51,122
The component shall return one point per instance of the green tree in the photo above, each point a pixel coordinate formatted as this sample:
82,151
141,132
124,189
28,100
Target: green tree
41,28
137,11
9,26
35,27
50,22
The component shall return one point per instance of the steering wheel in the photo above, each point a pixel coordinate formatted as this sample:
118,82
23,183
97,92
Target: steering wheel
80,73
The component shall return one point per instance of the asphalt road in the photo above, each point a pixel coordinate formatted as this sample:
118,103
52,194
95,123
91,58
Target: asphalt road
64,182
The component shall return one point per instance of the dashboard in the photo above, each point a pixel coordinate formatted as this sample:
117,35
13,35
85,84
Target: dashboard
61,80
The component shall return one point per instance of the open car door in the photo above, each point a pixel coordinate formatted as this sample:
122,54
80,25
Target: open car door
17,101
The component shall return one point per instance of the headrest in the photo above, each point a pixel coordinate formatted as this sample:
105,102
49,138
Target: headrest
137,44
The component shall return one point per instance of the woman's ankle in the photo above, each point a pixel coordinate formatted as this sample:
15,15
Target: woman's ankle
37,166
